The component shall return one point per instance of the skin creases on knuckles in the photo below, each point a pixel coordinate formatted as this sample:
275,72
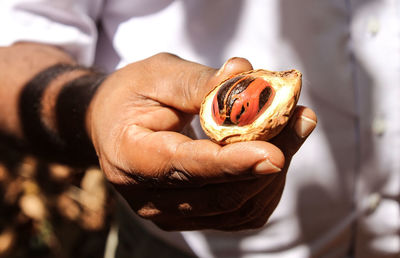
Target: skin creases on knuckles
253,105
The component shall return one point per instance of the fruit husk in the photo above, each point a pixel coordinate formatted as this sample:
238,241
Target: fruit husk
287,86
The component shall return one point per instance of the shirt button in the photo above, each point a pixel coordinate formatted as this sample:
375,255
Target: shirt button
373,26
373,202
379,126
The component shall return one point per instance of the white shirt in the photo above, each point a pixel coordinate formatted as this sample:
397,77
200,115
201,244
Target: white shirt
343,188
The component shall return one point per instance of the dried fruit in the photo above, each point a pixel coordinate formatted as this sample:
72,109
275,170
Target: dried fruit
254,105
33,206
7,241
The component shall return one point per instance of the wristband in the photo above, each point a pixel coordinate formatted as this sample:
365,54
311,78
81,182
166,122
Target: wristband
72,102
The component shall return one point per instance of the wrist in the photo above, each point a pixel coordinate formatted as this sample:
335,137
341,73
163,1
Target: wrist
72,110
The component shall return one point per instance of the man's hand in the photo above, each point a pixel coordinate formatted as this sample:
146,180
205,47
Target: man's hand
134,122
175,181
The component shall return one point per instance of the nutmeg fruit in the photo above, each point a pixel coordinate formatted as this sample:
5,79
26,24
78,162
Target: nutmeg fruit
254,105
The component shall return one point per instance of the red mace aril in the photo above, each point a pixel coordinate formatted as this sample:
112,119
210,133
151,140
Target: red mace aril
254,105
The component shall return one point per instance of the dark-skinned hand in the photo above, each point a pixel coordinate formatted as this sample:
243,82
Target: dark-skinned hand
177,182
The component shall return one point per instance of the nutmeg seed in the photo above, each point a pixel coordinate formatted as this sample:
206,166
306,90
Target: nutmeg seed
240,100
254,105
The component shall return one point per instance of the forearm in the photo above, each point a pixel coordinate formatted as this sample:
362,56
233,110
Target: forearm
43,99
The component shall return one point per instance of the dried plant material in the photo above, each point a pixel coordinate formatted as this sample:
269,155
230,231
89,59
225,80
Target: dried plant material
68,207
93,197
28,167
4,175
13,191
59,172
7,241
254,105
30,187
93,185
93,220
32,205
29,195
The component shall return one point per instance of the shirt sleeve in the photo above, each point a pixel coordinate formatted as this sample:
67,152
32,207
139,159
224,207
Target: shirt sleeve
68,24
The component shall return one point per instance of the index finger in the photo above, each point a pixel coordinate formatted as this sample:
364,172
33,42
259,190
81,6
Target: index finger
170,158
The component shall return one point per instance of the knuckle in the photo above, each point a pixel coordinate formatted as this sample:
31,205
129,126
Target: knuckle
164,56
176,176
113,175
114,179
185,209
129,134
148,212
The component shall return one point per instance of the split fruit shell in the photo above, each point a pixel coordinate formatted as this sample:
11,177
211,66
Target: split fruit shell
254,105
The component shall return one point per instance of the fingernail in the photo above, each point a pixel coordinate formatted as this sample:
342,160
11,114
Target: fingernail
304,126
266,167
222,69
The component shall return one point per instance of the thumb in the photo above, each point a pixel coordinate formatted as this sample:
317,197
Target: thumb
200,88
231,67
183,84
300,126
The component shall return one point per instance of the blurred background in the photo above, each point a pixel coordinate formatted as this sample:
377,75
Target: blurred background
49,209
